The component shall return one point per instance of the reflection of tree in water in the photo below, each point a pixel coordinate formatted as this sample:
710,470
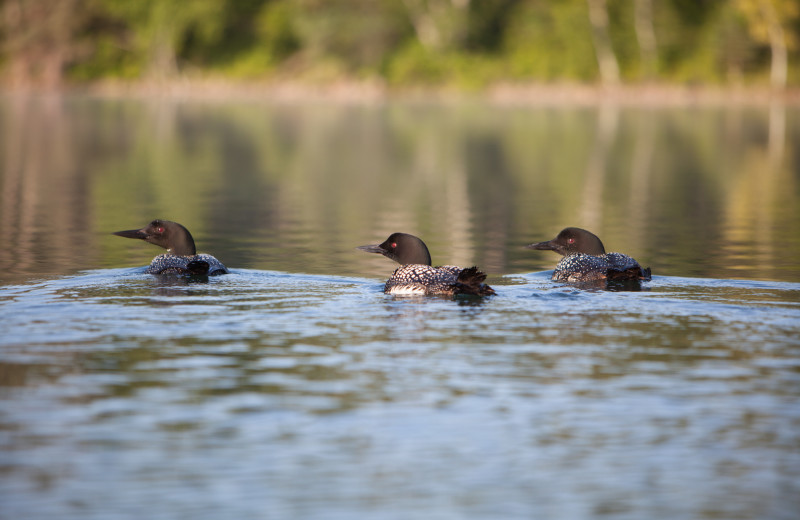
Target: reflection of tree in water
757,206
591,201
292,187
641,171
432,196
46,203
492,188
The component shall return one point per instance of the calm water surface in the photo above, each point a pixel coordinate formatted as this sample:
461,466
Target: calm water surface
293,388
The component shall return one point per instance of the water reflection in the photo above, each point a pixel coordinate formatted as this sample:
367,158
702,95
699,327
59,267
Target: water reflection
293,187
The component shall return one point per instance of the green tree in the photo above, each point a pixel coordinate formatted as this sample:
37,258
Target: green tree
769,22
350,36
465,43
551,41
159,28
606,59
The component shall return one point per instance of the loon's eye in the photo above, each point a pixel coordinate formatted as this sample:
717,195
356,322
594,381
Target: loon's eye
571,240
160,229
394,245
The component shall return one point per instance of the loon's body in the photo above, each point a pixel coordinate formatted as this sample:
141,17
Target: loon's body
415,276
181,256
193,265
585,259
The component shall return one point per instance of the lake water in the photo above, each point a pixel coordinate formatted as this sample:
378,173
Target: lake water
293,388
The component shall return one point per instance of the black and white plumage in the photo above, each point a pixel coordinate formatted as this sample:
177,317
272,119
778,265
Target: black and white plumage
415,276
192,265
585,259
181,257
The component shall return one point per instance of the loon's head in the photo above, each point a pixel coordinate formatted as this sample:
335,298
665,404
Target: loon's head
573,240
170,235
402,248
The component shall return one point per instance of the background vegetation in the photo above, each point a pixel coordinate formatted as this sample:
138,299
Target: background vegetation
451,43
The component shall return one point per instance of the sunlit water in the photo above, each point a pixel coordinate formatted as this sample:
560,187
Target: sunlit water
293,388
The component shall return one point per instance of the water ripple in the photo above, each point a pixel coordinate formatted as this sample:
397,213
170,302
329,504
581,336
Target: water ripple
318,396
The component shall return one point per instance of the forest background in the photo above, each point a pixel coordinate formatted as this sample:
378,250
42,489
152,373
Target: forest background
395,44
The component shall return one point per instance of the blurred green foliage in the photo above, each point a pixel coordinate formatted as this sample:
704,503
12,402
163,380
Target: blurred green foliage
459,43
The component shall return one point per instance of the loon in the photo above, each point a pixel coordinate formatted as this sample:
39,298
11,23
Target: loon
181,256
585,259
415,276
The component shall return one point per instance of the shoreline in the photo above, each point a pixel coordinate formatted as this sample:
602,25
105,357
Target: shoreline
374,92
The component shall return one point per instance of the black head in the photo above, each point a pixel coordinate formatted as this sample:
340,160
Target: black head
170,235
402,248
573,240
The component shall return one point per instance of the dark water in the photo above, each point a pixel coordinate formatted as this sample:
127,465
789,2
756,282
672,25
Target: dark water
293,388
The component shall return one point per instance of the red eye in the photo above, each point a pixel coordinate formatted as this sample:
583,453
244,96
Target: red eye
571,240
394,245
160,229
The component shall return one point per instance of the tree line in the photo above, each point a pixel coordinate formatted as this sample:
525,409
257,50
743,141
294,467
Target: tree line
460,43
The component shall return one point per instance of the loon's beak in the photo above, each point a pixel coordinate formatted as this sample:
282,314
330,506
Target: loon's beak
550,245
141,234
546,246
375,248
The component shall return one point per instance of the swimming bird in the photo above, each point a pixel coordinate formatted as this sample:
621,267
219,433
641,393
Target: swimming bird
416,276
181,256
585,259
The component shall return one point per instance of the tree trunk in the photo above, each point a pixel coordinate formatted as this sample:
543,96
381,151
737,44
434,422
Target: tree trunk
606,60
427,32
777,44
646,37
439,24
